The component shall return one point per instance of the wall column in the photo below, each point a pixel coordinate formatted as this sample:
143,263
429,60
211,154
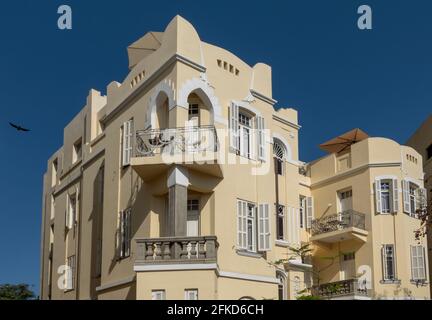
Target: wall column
178,182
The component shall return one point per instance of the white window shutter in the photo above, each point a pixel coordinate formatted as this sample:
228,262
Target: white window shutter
406,200
395,196
77,206
378,203
241,225
67,212
384,261
309,212
422,198
234,127
263,227
127,136
261,138
414,263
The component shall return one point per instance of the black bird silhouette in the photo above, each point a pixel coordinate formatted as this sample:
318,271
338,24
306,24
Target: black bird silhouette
19,128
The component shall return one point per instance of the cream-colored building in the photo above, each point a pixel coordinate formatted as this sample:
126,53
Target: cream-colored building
421,141
184,182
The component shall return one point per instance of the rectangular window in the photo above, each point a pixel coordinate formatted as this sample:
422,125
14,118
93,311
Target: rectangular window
193,218
127,142
385,197
77,151
158,295
418,265
302,210
389,267
125,233
251,226
246,226
280,222
191,294
279,166
193,110
345,201
70,273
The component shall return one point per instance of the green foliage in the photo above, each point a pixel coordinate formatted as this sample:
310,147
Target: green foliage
16,292
306,297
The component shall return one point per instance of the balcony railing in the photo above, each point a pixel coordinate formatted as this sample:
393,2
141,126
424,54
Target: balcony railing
176,141
177,250
352,287
340,221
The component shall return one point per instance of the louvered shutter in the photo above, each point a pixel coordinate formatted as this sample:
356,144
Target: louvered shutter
309,212
395,196
127,131
241,225
414,263
261,139
67,212
263,227
234,127
406,200
378,202
384,262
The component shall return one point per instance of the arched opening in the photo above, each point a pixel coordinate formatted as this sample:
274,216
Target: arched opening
162,111
282,285
199,110
279,154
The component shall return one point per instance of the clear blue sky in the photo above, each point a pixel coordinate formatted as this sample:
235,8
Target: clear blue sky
335,75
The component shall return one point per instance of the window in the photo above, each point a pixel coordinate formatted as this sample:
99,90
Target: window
345,200
245,129
348,256
193,214
125,233
127,142
248,233
77,151
386,195
282,285
302,210
418,265
280,222
429,152
389,268
191,294
158,295
70,273
414,198
193,110
71,211
279,156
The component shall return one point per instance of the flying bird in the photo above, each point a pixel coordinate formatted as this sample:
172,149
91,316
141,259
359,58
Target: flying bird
19,128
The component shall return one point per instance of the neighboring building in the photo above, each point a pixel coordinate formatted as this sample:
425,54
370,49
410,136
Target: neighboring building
184,182
421,140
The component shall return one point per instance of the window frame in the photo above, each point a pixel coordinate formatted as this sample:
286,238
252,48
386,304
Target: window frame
385,257
125,227
160,292
195,292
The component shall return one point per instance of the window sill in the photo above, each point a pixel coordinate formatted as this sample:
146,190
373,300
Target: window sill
282,243
419,282
396,281
249,254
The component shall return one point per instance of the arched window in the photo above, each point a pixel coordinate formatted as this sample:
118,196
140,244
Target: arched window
279,154
282,286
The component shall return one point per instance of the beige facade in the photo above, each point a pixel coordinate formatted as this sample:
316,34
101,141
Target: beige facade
184,181
421,141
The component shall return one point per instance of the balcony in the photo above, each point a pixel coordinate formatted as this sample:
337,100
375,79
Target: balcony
343,226
342,290
193,147
177,250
